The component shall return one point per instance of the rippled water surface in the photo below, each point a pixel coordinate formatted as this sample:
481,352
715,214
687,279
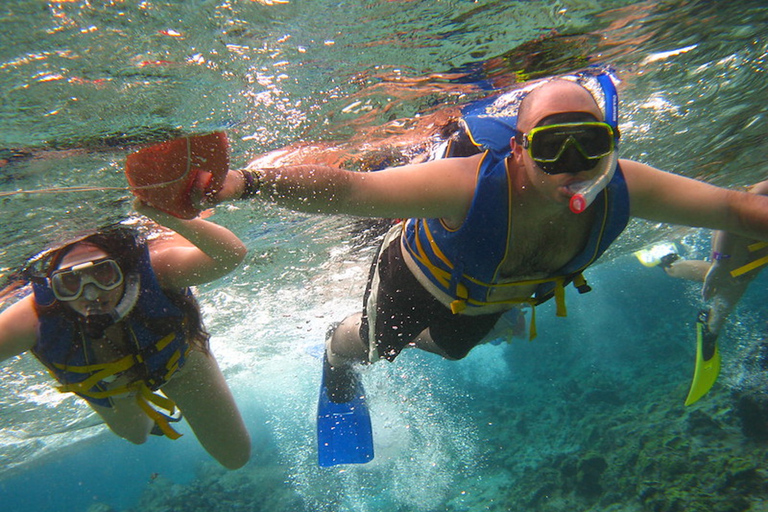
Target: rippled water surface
84,83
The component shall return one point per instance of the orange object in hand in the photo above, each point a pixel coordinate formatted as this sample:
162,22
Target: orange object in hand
164,175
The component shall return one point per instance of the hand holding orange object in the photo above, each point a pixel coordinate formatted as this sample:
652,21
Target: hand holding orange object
165,175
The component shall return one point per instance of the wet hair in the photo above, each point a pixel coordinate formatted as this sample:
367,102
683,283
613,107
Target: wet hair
120,242
125,245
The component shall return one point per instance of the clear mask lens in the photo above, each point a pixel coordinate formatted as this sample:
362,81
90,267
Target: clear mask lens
68,284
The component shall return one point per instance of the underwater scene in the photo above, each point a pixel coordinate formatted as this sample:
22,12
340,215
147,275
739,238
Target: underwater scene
589,416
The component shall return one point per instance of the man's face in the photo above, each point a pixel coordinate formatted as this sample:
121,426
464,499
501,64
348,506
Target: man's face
571,107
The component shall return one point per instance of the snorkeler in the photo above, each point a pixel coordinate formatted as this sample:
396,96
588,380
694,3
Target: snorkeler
112,318
508,227
735,262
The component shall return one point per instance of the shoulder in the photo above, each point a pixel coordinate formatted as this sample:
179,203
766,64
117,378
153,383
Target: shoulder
22,309
637,170
760,188
166,252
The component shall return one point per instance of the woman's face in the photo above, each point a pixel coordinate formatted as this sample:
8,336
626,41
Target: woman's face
93,299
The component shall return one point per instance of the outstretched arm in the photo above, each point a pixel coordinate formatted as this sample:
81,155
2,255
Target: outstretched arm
202,252
438,189
665,197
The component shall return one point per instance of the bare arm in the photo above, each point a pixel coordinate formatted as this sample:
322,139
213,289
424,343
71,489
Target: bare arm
18,328
438,189
665,197
730,252
202,252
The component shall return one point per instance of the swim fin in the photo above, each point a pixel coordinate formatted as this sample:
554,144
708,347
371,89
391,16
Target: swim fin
707,360
344,434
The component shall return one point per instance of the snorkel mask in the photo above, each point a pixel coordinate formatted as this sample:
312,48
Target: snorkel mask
69,284
81,279
573,148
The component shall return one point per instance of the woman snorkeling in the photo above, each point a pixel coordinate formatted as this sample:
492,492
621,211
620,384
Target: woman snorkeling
112,318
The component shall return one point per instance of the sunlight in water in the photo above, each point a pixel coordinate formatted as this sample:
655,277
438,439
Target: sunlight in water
587,417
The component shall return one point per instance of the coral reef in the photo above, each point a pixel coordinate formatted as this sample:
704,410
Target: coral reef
255,487
588,441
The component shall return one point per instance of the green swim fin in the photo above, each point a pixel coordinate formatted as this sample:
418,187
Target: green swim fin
707,360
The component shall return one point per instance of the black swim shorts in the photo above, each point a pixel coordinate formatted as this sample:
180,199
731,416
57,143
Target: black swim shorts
404,308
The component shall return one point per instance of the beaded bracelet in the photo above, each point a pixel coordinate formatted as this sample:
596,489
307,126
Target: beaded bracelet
252,180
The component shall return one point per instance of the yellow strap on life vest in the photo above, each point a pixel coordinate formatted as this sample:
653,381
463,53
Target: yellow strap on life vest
579,280
753,264
560,309
103,371
749,266
435,249
164,342
444,277
173,363
144,397
462,301
532,329
100,372
757,246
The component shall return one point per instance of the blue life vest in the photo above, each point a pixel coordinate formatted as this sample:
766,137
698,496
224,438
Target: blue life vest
67,352
465,263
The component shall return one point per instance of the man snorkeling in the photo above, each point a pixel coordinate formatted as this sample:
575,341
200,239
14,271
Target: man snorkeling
112,318
507,227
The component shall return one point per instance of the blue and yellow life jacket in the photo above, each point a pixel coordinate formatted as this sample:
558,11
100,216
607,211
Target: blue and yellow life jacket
465,263
63,347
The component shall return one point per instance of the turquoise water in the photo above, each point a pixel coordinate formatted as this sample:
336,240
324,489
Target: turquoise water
588,417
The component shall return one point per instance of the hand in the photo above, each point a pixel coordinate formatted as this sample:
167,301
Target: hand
232,188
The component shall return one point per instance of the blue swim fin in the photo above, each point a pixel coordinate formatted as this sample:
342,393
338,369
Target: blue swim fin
344,434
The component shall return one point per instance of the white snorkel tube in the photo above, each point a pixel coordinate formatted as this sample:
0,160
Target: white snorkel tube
585,192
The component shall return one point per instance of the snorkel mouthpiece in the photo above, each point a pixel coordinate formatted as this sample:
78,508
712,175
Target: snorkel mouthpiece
95,325
584,192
